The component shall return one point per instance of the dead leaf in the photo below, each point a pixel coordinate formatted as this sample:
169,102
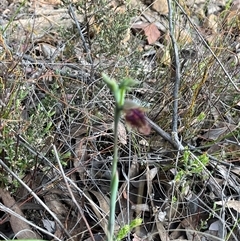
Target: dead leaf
235,5
180,240
125,216
97,237
50,2
164,56
151,173
133,172
47,50
152,33
81,157
81,151
56,206
143,142
238,105
231,204
127,37
102,210
21,229
190,227
182,36
161,6
149,30
177,234
136,238
214,134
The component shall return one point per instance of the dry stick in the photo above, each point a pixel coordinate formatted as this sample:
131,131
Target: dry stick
70,192
164,134
35,196
73,16
207,46
168,138
11,212
177,81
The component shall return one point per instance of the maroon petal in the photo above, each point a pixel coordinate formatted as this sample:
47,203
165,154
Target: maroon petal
136,118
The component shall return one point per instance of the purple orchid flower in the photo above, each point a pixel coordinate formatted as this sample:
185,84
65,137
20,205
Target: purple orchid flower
135,117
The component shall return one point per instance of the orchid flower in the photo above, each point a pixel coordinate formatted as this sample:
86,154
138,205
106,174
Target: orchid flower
135,117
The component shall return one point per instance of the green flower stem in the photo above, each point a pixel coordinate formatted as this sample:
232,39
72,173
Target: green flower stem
119,92
114,179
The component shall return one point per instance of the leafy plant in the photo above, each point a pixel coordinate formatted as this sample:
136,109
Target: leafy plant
192,165
123,232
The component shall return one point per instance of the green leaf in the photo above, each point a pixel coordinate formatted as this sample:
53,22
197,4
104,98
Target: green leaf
123,232
135,223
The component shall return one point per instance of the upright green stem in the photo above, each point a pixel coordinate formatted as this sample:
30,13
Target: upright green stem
114,179
119,91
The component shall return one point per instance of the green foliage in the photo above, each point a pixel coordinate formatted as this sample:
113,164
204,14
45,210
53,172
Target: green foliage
3,179
126,229
111,26
107,31
113,86
180,175
40,125
33,122
192,165
12,121
228,4
201,116
110,51
118,90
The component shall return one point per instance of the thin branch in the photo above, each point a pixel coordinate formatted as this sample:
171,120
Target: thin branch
177,68
165,135
179,146
73,16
